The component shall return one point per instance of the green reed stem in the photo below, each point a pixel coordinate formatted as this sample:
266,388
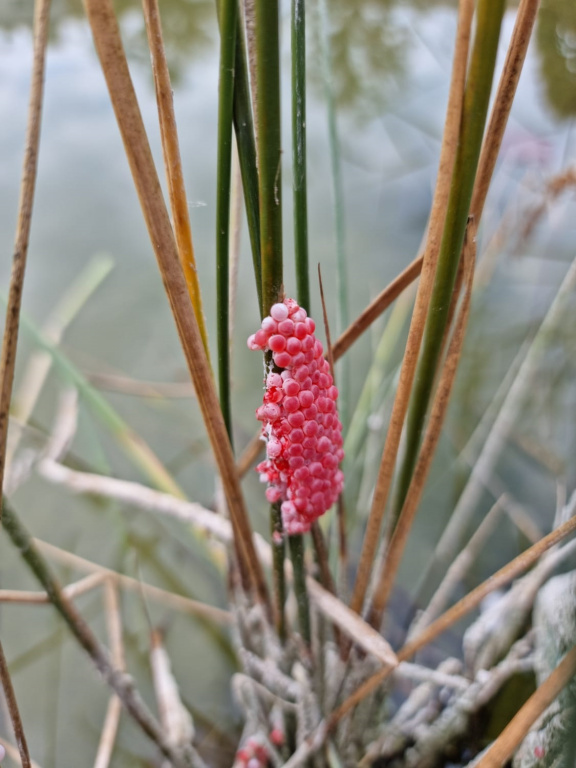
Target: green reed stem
269,148
270,195
298,44
296,544
228,35
299,152
475,109
245,142
277,532
244,130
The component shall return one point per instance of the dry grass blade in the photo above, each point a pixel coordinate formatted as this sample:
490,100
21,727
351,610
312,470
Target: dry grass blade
41,598
27,188
350,623
403,527
511,737
155,390
178,602
112,719
113,61
376,307
415,334
500,579
173,162
515,56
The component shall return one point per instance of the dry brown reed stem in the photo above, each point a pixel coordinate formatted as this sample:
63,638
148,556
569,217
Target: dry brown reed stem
10,338
395,550
501,578
376,307
417,324
13,754
12,704
515,56
512,736
41,598
178,602
114,631
173,161
114,65
22,237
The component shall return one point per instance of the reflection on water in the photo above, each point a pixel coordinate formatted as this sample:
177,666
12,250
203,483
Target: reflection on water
556,38
369,45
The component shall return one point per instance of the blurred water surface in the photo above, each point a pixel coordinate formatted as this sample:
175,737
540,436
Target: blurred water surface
391,63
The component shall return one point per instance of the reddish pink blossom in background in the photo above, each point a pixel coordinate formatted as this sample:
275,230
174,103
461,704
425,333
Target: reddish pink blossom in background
300,421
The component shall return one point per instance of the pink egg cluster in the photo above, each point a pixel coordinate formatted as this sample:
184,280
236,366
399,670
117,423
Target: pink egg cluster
300,422
251,755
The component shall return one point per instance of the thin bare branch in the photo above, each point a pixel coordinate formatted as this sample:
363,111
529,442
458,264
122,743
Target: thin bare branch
122,684
10,338
13,753
27,188
10,697
250,454
113,61
415,334
112,719
178,602
376,307
41,598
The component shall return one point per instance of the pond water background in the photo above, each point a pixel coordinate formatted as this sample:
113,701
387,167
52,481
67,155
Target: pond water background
391,68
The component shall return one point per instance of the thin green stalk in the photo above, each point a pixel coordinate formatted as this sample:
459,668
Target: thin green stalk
246,144
296,544
269,148
270,195
244,130
299,152
277,539
228,35
476,101
342,315
298,44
